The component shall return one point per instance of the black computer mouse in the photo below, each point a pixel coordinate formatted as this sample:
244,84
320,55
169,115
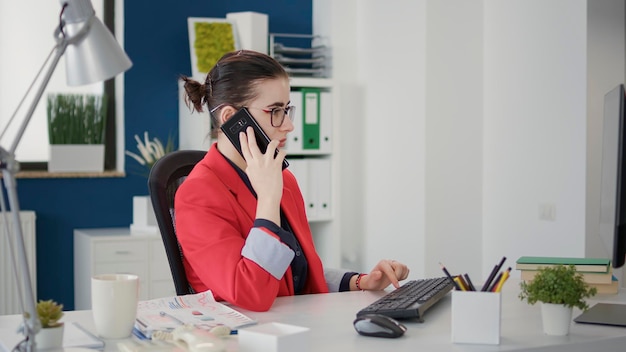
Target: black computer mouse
378,325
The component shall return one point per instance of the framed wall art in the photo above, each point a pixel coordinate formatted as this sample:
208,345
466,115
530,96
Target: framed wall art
209,39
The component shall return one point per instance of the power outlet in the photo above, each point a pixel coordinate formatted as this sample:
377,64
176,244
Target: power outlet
547,211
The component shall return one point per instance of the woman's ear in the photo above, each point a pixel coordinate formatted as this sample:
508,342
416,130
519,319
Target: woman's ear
226,113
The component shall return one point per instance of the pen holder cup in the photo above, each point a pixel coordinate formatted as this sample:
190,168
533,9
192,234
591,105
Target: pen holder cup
476,317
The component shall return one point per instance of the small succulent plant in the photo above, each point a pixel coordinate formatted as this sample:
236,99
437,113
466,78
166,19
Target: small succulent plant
49,312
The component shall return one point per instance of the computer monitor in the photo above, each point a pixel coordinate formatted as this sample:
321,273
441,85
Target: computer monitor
612,202
613,182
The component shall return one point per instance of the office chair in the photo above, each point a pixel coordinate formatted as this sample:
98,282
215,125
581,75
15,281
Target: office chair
166,175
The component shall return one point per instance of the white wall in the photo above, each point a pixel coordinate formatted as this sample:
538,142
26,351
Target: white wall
534,128
391,77
453,134
368,62
470,123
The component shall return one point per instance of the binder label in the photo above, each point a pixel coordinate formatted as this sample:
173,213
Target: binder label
311,126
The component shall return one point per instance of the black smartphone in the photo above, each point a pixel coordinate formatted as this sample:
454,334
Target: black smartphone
239,122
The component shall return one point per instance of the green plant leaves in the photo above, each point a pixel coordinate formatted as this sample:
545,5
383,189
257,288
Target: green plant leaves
149,151
49,313
76,118
557,284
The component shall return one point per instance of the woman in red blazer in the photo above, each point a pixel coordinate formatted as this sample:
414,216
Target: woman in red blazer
241,220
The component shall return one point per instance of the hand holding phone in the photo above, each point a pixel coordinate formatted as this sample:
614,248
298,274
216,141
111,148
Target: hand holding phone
239,122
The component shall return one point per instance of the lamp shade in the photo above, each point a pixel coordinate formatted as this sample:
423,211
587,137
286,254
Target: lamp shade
96,56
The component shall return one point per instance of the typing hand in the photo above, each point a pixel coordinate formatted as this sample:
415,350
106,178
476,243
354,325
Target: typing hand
384,273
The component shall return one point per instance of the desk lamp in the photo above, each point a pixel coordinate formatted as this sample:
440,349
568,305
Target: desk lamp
91,55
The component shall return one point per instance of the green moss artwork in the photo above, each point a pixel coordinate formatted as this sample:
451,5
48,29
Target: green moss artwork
212,41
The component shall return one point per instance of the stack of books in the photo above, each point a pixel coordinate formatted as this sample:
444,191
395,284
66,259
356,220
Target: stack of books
597,272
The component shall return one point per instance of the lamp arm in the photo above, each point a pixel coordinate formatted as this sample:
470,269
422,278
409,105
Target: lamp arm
62,43
31,324
60,49
9,166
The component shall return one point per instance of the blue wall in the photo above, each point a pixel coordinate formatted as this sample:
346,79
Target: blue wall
157,42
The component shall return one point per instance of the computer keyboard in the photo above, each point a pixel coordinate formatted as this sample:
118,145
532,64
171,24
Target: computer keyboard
410,300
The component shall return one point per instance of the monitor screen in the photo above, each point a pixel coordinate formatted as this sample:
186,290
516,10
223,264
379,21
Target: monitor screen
613,182
612,202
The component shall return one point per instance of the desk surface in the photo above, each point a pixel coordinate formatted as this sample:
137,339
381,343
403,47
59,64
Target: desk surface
330,316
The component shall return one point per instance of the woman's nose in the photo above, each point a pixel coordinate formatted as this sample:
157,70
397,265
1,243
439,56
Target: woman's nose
288,125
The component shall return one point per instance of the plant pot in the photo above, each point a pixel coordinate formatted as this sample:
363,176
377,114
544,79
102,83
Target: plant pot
76,158
556,319
49,338
144,219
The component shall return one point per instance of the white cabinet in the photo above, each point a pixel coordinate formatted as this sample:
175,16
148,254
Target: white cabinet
116,251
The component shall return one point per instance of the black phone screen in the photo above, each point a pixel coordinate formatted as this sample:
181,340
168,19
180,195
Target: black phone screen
238,123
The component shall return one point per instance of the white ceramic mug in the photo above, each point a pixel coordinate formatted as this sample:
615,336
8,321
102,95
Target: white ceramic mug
114,304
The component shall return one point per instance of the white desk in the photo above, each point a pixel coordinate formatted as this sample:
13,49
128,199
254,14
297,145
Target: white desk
330,316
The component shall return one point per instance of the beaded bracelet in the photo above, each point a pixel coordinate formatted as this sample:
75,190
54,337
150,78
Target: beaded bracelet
358,281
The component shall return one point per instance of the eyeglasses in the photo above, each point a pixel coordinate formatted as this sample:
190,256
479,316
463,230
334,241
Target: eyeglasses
278,114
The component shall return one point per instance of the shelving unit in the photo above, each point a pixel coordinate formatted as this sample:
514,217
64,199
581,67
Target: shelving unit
299,82
302,55
325,223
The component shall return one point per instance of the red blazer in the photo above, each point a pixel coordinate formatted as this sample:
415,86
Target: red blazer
215,212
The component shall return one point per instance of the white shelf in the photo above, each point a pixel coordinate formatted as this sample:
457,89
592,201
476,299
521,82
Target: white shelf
298,82
307,153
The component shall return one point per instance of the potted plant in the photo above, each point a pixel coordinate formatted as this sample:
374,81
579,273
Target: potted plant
51,334
76,129
148,152
559,288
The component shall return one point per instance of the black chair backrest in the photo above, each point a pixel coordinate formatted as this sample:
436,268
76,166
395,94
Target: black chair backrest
166,175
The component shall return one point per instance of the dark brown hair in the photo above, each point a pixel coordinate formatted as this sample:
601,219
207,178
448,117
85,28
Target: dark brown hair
232,81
